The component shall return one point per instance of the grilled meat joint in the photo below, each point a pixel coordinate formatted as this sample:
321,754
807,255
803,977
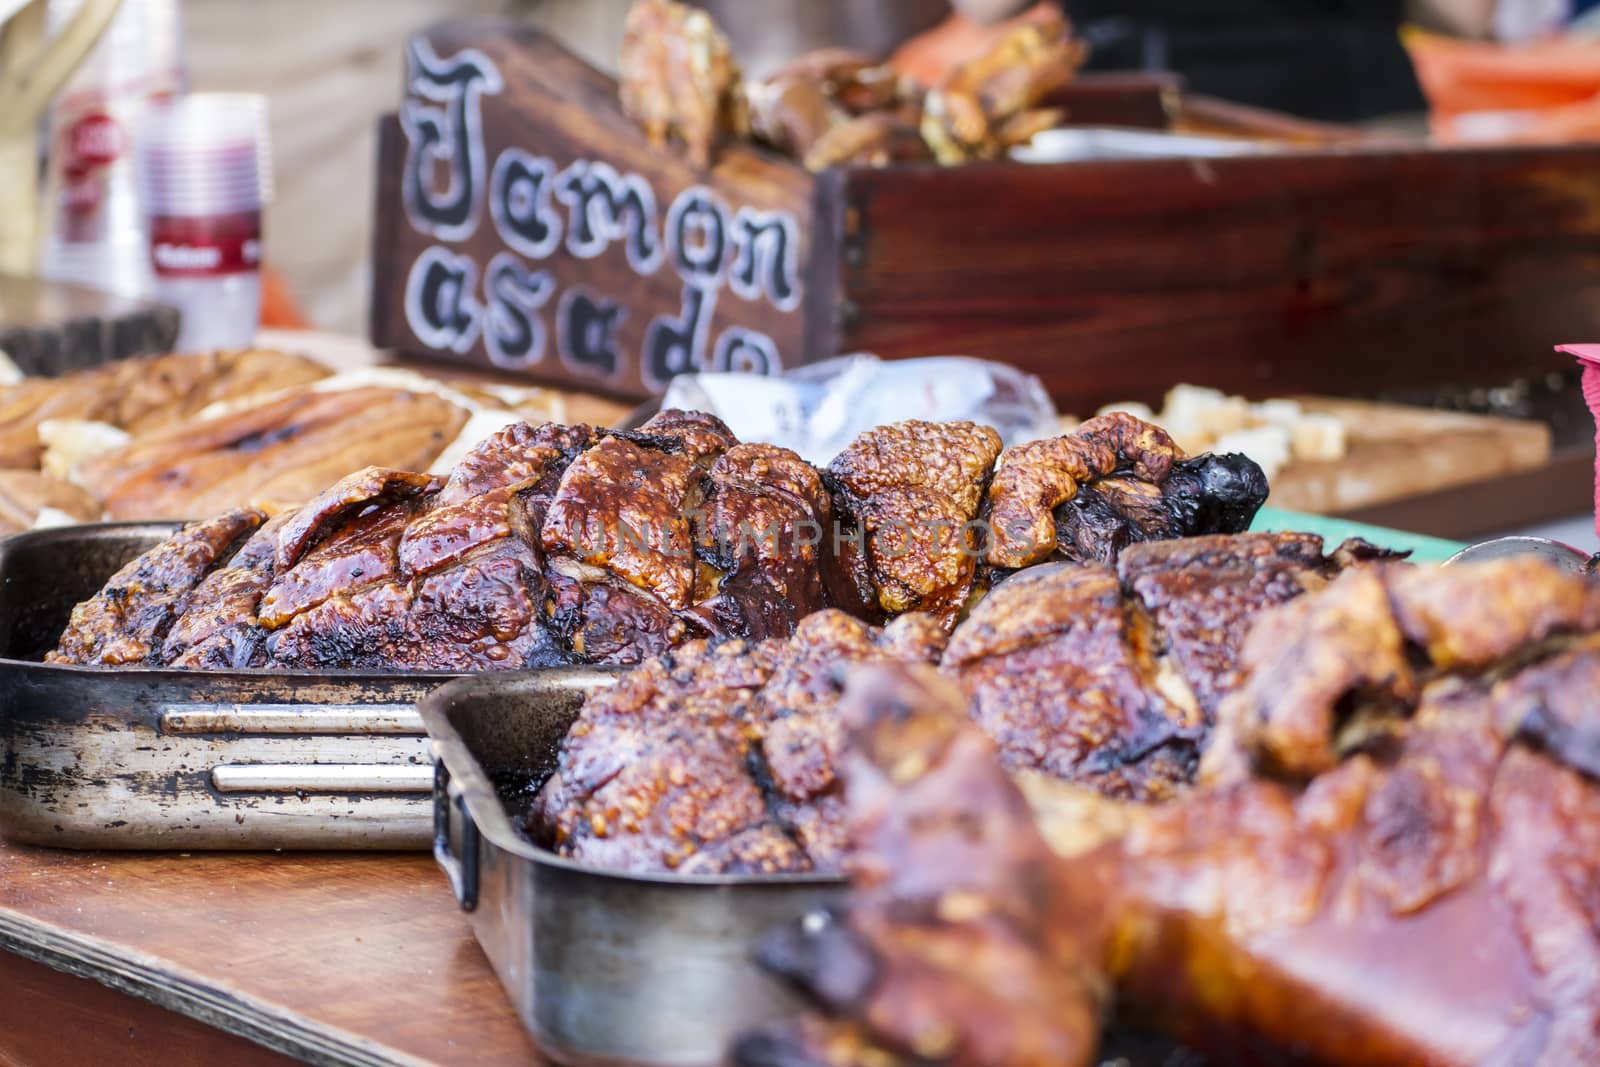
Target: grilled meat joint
680,81
142,395
723,757
1390,859
198,434
45,419
566,544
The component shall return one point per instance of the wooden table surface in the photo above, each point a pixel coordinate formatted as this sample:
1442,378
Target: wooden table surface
335,959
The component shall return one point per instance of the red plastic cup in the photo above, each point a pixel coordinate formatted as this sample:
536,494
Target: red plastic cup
205,163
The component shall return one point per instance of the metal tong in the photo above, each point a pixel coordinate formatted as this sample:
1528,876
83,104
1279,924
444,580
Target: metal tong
1572,560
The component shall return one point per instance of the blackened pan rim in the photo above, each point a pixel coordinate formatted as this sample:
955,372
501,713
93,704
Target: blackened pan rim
169,674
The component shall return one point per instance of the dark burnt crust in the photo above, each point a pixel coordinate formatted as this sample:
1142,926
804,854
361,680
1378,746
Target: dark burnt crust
1103,679
648,776
393,556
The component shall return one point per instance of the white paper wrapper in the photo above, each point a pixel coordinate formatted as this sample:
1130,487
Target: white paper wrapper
817,409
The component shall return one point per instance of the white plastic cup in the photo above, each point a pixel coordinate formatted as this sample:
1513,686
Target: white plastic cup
95,224
205,164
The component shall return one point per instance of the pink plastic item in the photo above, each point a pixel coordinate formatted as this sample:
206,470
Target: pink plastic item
1589,356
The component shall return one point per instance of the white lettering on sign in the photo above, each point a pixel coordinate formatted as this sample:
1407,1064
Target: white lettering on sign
766,247
603,207
584,209
697,237
743,351
440,307
443,124
519,203
514,334
586,333
676,344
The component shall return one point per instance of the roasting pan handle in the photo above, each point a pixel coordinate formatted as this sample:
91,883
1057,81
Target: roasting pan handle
461,867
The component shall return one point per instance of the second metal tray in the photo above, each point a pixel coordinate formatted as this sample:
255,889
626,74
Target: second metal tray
94,757
604,968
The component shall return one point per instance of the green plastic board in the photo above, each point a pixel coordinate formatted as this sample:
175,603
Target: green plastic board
1423,549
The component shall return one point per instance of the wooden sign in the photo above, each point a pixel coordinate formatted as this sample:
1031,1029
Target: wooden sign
524,223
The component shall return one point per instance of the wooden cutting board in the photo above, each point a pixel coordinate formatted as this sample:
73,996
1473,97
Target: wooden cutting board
1397,452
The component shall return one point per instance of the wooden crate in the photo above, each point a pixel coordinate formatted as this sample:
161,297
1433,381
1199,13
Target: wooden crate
524,222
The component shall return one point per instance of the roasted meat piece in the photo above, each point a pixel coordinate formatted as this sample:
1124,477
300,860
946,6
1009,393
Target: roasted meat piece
855,83
1113,481
763,513
127,620
1112,678
1066,668
196,435
225,634
142,395
917,531
832,107
1332,671
990,103
719,758
1425,897
1199,596
873,140
625,505
27,496
792,114
563,544
284,451
913,492
549,545
1064,682
678,79
959,946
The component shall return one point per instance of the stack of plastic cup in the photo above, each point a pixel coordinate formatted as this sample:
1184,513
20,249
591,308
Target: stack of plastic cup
206,166
95,223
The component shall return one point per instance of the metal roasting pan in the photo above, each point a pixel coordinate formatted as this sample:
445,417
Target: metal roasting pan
608,969
98,757
604,968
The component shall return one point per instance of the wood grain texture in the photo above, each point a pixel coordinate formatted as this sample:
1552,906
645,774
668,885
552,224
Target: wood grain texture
1336,272
558,107
1207,115
1397,452
336,959
52,1019
1560,489
1343,268
1144,101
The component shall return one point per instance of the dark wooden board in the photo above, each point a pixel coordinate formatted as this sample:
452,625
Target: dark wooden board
49,1018
1207,115
1339,272
537,106
332,959
1138,100
1345,266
